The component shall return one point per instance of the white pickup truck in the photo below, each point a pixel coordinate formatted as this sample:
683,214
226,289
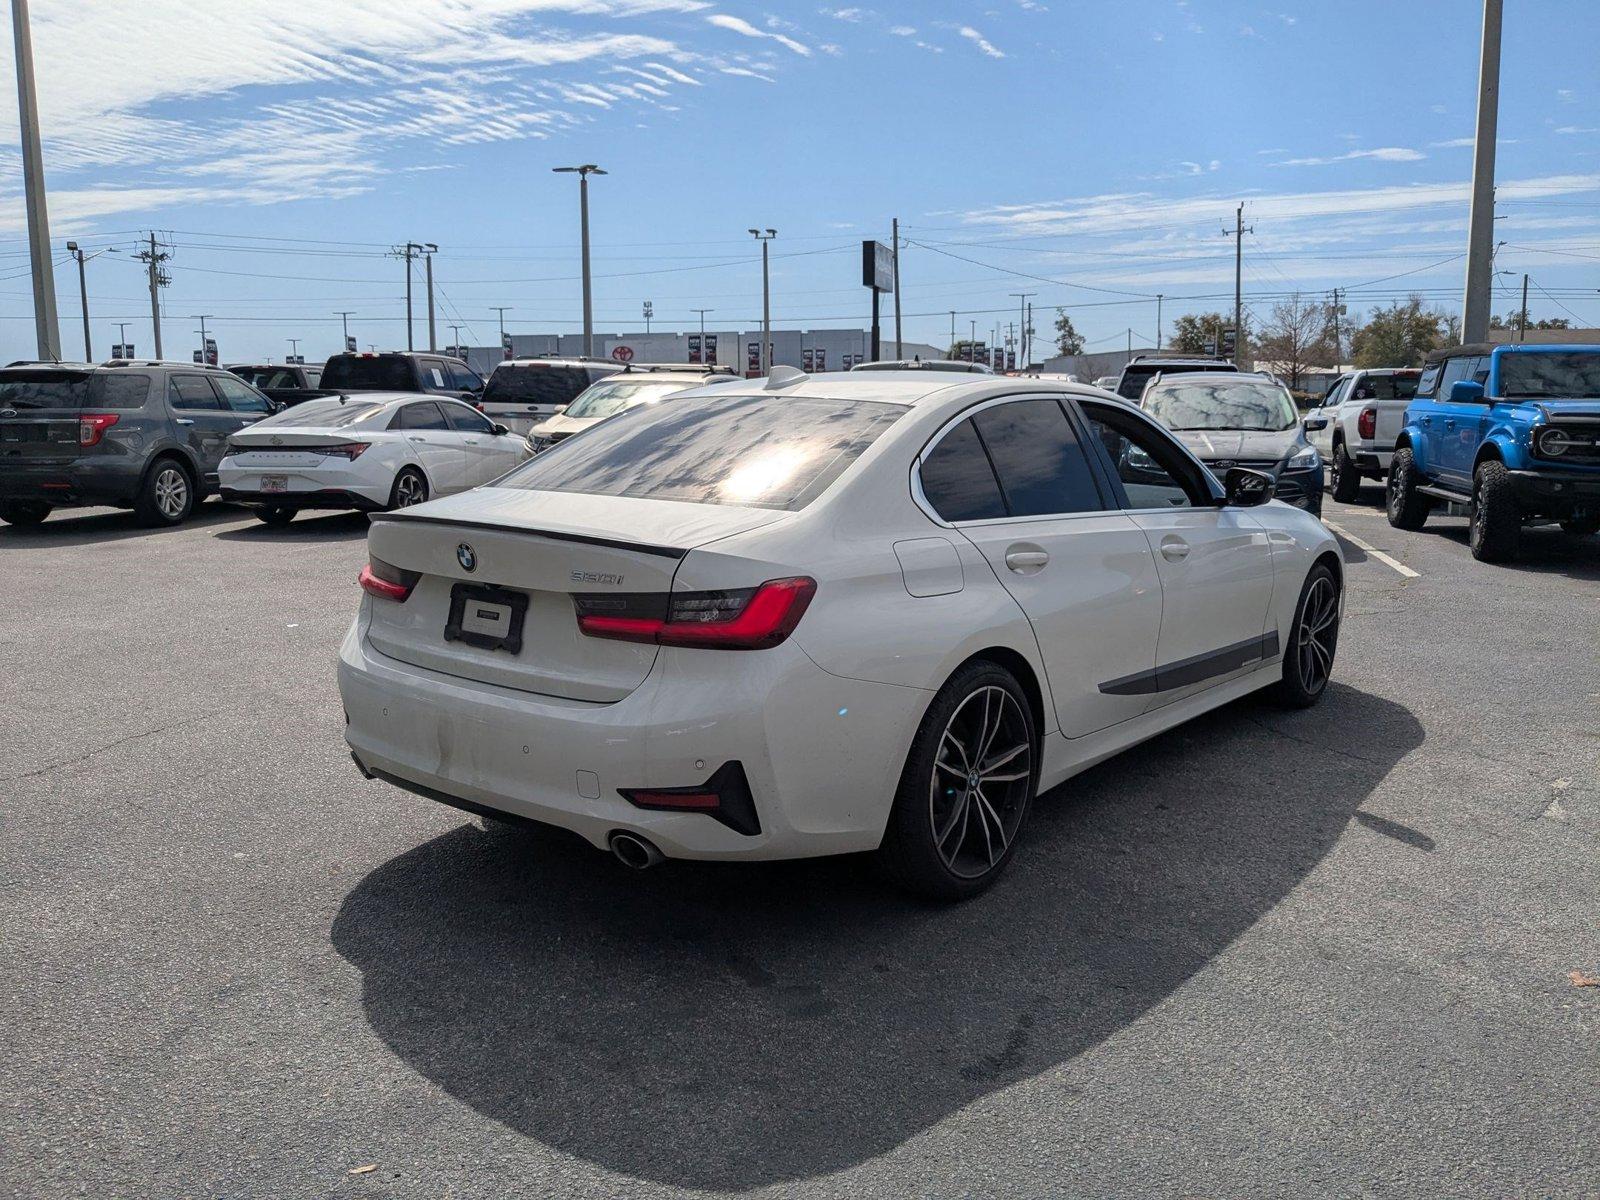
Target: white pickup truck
1365,411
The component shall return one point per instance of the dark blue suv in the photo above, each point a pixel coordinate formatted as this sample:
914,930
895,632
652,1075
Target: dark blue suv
1513,432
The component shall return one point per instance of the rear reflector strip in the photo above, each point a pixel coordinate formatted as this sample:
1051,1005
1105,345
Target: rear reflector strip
725,798
379,578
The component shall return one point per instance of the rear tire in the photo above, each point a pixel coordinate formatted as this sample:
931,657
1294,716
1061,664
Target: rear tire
1313,640
962,802
410,487
1346,480
26,513
275,515
167,496
1496,522
1576,526
1407,508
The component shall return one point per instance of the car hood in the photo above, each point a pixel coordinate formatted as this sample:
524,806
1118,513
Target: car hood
1234,445
562,424
1560,409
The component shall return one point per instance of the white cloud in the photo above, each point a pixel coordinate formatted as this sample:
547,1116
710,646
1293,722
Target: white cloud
903,30
1571,129
740,26
1381,154
981,42
853,15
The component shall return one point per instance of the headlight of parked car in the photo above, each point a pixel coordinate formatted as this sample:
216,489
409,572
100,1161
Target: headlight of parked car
1306,460
1553,442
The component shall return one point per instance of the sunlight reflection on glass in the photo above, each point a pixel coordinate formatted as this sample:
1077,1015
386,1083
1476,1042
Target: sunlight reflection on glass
762,475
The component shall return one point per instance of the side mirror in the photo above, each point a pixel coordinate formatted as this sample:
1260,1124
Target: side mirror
501,430
1466,391
1313,424
1245,488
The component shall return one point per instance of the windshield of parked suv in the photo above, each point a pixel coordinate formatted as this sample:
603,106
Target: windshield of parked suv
1222,404
608,399
379,373
757,451
1556,375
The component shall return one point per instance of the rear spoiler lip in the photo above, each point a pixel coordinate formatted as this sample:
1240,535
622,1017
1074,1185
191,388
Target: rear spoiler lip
553,535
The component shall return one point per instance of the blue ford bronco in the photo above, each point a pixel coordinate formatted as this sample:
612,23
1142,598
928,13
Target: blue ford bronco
1513,432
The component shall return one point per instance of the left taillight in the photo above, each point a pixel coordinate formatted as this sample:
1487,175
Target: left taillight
739,619
92,426
388,581
1367,423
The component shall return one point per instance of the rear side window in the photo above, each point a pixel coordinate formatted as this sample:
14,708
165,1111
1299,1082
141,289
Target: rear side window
381,373
419,416
1429,383
434,373
1042,468
120,390
192,392
754,451
24,390
958,481
530,384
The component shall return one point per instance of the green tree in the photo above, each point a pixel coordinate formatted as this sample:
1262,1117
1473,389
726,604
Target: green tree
1400,335
1068,339
1193,333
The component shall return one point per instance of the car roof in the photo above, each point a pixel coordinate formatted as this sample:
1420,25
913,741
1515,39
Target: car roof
1147,360
544,360
909,388
1219,376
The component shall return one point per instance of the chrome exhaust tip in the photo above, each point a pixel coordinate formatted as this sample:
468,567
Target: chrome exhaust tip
633,851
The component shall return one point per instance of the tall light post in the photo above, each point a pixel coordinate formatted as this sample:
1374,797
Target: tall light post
294,349
122,334
202,318
344,316
428,251
1022,299
764,359
583,173
1480,220
46,327
83,290
502,310
455,338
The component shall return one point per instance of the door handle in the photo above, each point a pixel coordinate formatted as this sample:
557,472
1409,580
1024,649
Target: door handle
1427,420
415,438
1450,423
1023,561
1174,549
182,421
472,441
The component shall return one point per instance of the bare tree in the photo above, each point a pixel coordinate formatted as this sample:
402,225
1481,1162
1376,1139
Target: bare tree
1295,337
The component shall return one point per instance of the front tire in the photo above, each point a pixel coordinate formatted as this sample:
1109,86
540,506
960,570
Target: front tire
1496,521
26,513
1313,640
964,793
1406,507
275,516
1345,479
410,487
167,495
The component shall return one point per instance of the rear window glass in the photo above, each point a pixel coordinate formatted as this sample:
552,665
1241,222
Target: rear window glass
610,397
322,414
529,384
1131,386
23,390
1386,387
755,451
269,377
381,373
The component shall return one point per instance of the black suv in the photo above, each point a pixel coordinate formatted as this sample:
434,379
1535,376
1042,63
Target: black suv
141,435
1142,368
402,371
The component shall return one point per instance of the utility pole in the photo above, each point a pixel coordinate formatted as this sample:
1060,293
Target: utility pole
501,310
583,173
899,351
1480,221
46,327
344,316
1338,342
1027,332
294,349
765,358
1130,345
1522,317
649,315
455,337
1159,299
428,251
153,259
1238,284
1022,316
83,297
409,252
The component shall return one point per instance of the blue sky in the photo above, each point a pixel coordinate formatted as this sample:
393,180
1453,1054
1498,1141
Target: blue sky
1091,153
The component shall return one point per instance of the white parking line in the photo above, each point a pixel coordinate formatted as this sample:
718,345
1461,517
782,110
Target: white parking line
1373,551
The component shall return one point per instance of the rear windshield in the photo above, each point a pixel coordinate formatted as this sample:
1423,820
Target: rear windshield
380,373
1131,386
269,377
24,390
1558,375
1386,387
755,451
535,384
322,414
606,399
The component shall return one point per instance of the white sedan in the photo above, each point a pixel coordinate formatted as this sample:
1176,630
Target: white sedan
815,615
370,451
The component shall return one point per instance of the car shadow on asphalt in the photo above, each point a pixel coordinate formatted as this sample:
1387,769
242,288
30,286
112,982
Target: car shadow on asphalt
728,1026
69,527
1543,550
324,527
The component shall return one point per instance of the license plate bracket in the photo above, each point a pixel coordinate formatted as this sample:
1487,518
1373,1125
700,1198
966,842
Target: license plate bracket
486,616
274,484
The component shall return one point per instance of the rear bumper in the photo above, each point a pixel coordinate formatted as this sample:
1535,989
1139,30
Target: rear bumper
1557,491
1374,461
74,483
338,498
822,754
325,486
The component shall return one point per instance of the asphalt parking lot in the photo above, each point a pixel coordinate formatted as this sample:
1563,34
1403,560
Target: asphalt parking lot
1326,952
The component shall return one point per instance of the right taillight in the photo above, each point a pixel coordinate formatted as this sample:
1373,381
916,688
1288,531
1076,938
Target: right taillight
388,581
92,426
349,450
740,619
1367,423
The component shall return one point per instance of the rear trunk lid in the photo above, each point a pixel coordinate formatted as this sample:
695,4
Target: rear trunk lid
482,556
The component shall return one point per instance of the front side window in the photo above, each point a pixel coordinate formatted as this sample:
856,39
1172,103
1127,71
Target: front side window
1455,370
466,420
463,378
192,392
241,398
755,451
1154,472
1222,404
1042,468
958,481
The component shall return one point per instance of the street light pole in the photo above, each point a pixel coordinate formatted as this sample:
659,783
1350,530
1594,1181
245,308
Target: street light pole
46,327
455,337
1480,221
122,333
502,310
294,349
765,357
583,173
1022,318
428,251
83,298
344,316
202,318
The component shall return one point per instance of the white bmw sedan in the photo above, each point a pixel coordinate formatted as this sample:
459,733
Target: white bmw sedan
369,451
814,615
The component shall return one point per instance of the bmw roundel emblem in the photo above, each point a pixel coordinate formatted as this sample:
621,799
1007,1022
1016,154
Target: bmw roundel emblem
467,557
